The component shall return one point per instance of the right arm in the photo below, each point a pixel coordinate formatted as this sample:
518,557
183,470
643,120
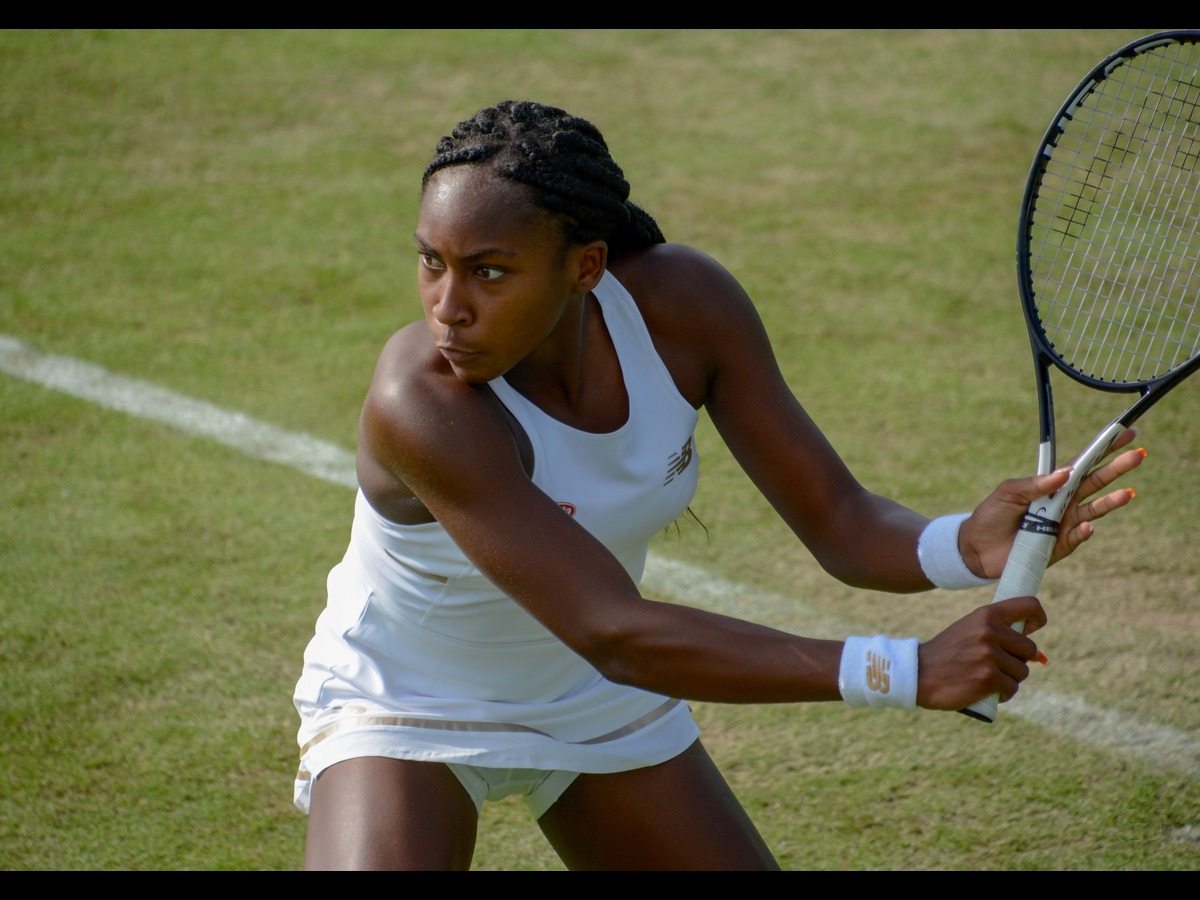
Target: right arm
449,444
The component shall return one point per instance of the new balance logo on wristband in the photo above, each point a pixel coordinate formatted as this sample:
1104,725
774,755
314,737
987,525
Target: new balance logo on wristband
879,671
878,679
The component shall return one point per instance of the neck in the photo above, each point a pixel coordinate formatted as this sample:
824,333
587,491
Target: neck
556,372
580,383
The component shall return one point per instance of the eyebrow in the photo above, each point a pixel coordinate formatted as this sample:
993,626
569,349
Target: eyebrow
470,257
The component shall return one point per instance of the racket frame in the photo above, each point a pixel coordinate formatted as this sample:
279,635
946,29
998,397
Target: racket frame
1038,532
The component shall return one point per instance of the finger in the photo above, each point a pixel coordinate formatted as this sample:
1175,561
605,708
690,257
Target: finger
1021,609
1119,441
1020,492
1102,506
1105,475
1019,649
1070,538
1122,439
1012,668
1008,689
1030,489
1077,524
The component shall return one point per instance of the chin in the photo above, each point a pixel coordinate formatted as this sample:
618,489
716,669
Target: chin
474,371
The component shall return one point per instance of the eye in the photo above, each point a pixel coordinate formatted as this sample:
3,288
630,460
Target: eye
489,273
429,261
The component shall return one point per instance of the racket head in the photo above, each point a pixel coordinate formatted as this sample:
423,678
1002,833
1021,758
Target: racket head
1108,243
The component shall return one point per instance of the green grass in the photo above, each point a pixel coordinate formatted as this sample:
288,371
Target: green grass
228,214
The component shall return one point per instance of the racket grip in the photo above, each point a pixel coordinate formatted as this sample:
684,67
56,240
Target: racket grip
1030,554
1022,576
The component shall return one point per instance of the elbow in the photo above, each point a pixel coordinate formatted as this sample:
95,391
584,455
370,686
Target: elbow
845,542
616,648
836,550
611,652
843,569
621,668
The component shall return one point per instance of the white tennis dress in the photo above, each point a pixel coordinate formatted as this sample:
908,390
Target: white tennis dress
418,656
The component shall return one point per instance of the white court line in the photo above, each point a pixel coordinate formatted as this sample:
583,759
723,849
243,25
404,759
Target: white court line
1069,716
149,401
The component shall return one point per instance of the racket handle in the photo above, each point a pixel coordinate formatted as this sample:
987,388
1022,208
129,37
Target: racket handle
1022,576
1030,554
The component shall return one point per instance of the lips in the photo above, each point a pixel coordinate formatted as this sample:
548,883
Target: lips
456,354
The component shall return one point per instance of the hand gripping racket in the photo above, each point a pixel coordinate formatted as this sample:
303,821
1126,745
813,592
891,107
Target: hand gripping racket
1108,260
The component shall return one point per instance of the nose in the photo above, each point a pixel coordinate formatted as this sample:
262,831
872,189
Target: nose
451,304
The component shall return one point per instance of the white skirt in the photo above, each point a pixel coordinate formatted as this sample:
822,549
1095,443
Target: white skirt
377,683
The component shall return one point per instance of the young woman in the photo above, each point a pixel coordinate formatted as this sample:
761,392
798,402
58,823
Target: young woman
518,449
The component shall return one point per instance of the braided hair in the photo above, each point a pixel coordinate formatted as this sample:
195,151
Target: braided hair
564,161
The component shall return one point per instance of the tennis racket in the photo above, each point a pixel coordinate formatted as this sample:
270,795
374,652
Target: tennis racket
1108,261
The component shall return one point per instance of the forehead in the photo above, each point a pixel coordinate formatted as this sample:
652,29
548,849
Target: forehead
472,202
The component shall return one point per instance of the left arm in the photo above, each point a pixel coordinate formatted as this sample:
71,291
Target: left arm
859,537
722,358
709,333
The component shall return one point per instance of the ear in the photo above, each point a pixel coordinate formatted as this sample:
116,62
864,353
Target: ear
588,264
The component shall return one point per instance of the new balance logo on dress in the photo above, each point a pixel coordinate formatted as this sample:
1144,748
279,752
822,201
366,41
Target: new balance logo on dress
677,462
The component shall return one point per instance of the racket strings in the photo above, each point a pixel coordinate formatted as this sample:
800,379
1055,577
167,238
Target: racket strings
1114,238
1113,318
1120,327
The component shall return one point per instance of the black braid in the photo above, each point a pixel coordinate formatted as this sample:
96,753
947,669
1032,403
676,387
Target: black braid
565,162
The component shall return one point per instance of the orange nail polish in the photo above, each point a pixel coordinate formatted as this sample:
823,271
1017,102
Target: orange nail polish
1142,452
1131,492
1041,657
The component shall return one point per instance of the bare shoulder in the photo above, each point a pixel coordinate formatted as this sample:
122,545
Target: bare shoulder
412,381
676,274
696,311
422,427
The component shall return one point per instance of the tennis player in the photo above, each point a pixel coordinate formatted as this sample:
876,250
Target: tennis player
484,633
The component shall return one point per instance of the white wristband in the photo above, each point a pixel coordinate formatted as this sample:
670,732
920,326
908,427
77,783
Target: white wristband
879,671
937,551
